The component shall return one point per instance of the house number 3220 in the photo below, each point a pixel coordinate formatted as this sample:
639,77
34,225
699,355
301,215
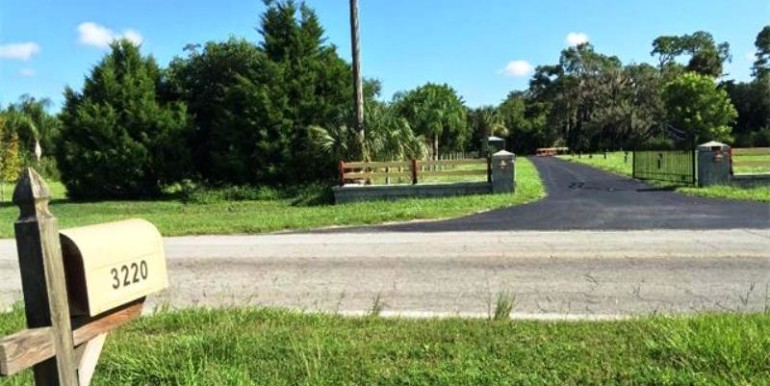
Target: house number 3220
127,275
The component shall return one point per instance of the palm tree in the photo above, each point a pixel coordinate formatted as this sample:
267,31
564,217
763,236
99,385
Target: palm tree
434,111
389,138
29,119
491,122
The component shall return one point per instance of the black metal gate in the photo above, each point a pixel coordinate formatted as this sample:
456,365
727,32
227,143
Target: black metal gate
677,166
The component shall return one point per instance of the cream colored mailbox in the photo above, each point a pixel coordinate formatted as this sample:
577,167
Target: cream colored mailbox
109,265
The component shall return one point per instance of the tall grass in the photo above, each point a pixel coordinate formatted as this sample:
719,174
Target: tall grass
273,347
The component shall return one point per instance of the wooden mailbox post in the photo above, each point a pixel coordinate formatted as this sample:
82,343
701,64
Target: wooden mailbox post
78,286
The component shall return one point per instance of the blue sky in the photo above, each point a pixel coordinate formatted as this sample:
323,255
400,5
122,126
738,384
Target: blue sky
484,48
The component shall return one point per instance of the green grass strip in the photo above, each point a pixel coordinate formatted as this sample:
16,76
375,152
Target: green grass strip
272,347
175,218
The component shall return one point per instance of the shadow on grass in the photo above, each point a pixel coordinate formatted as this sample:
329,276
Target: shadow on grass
310,195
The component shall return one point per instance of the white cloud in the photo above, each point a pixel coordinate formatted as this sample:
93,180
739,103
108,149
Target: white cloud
96,35
19,51
751,56
133,36
518,68
27,72
576,38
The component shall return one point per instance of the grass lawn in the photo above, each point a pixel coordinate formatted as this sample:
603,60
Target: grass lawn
272,347
617,162
752,164
174,217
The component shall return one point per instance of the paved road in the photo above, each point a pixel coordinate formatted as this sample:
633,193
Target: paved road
460,266
551,273
584,198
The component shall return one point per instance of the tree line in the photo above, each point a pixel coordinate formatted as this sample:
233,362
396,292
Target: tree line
279,112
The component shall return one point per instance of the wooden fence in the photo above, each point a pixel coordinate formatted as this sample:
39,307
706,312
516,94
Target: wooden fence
413,172
458,156
750,160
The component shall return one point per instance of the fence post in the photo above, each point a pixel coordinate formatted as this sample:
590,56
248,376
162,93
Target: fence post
342,173
693,160
42,277
489,169
414,172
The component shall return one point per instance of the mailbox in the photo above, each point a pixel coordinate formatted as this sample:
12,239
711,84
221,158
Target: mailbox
112,264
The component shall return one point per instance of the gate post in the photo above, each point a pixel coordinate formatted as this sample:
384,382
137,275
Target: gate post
503,176
713,164
694,159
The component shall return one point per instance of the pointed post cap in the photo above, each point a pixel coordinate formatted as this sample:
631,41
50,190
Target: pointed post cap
712,145
31,193
502,153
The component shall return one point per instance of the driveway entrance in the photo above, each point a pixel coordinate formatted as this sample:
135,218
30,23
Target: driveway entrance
584,198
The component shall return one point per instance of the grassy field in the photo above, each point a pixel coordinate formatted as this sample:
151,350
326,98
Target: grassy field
618,163
272,347
218,216
764,167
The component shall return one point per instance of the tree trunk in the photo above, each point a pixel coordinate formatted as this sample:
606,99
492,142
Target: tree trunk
435,147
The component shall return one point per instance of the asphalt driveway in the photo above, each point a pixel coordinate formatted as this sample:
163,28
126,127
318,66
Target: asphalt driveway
584,198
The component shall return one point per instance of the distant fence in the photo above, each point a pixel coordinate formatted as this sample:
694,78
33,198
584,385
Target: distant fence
413,172
551,151
676,166
459,155
750,160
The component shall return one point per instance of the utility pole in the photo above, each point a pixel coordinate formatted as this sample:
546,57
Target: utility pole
357,82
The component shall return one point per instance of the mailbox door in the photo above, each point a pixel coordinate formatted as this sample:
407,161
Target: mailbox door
108,265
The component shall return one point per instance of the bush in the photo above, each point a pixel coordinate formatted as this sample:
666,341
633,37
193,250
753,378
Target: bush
761,138
208,195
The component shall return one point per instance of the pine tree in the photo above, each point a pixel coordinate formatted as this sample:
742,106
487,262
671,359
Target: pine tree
314,83
117,139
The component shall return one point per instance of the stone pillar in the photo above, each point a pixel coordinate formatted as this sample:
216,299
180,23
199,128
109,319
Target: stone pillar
503,172
713,164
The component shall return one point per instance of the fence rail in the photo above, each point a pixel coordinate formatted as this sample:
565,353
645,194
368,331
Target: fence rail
458,156
412,172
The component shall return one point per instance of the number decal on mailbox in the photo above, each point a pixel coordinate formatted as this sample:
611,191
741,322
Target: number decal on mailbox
116,284
126,275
